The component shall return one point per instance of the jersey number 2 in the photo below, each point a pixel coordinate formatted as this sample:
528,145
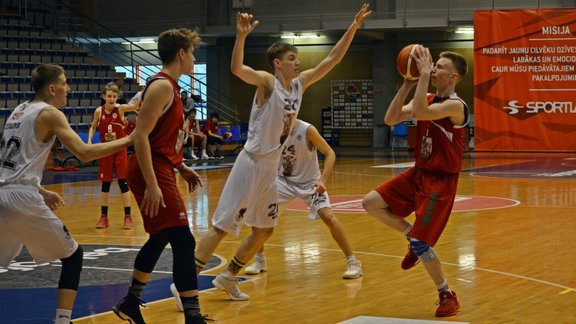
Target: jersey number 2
13,147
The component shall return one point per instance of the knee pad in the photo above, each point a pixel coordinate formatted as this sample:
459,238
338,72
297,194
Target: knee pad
71,268
106,186
123,185
183,245
422,250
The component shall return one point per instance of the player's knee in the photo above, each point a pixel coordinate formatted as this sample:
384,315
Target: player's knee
71,269
262,234
106,186
123,184
422,250
368,203
327,217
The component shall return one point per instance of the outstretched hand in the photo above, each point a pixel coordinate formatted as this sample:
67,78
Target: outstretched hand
191,177
244,24
363,13
52,199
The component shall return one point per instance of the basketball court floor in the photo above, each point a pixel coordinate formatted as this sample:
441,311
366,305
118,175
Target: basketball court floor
508,251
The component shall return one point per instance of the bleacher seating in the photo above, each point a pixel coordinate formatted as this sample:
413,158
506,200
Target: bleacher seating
23,46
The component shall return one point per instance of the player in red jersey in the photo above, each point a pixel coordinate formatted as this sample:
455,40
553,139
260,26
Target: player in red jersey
158,140
109,120
194,136
428,188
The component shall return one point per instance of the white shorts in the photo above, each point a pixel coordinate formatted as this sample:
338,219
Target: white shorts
26,220
288,190
249,196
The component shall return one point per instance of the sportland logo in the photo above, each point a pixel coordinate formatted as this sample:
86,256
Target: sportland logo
353,204
536,107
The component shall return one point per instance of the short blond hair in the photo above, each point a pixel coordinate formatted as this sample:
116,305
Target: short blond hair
172,40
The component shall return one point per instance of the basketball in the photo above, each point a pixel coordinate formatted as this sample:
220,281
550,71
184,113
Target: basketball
227,135
406,67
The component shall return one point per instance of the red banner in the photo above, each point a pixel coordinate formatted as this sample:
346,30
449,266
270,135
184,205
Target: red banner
525,80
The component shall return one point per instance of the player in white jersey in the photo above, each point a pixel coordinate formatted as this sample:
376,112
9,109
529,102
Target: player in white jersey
299,176
26,216
250,194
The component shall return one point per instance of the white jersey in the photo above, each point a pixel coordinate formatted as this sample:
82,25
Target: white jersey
271,123
299,163
22,155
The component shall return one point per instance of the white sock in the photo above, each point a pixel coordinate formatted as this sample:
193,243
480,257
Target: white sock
407,230
351,258
228,274
443,286
63,316
260,256
204,152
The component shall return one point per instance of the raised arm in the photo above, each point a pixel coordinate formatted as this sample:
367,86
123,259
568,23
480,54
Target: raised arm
245,26
129,108
453,109
315,139
310,76
93,125
52,121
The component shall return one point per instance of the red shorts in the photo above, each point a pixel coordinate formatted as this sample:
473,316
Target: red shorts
116,162
429,194
174,214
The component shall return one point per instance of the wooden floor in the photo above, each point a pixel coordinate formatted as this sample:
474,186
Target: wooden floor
507,265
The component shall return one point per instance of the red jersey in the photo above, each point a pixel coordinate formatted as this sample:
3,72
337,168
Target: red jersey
167,137
111,124
439,142
209,125
192,125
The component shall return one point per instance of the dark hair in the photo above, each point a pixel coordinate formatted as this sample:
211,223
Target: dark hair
277,50
214,115
192,111
458,61
183,91
45,74
172,40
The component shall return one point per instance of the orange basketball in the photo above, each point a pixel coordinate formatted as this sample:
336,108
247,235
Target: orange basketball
405,65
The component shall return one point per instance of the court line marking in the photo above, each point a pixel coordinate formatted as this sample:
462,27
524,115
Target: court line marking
503,273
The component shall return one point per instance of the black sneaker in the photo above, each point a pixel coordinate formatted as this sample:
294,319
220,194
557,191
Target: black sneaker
128,309
198,319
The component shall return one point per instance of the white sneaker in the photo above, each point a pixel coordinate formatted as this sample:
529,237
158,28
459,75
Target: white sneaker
230,286
194,157
256,267
177,297
353,270
205,157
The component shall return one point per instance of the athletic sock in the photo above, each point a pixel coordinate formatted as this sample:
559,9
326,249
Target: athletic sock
443,286
191,306
136,287
104,210
407,230
351,258
127,211
63,316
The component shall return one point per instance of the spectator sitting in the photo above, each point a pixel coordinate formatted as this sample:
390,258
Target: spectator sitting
194,136
211,129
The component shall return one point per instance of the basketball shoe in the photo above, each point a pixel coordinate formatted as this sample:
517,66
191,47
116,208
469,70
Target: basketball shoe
410,260
258,266
230,285
128,309
447,304
103,222
127,222
353,270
